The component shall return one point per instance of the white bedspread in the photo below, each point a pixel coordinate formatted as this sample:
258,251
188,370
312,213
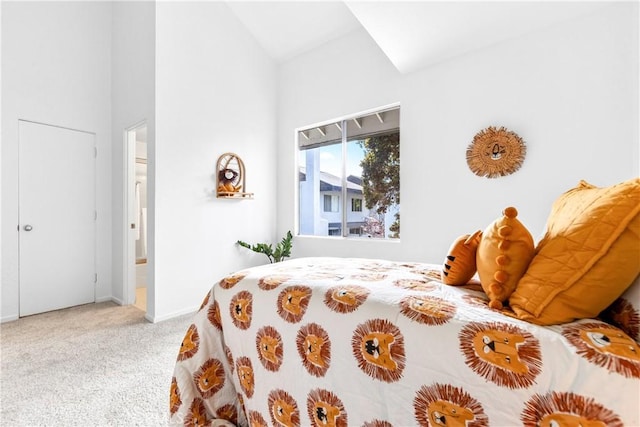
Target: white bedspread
336,342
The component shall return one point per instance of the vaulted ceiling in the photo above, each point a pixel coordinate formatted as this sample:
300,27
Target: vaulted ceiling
413,34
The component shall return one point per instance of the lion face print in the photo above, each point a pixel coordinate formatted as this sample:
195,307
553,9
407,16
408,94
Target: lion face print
445,413
427,310
378,346
379,267
229,356
500,348
613,342
268,283
174,397
376,349
569,420
327,276
477,301
415,284
241,309
228,412
325,409
605,346
368,277
213,314
269,346
283,409
314,348
244,369
429,274
345,299
293,302
190,343
257,420
230,281
446,405
501,353
209,378
377,423
562,409
197,415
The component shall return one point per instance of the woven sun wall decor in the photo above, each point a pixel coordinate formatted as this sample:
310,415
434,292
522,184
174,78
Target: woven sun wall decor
495,152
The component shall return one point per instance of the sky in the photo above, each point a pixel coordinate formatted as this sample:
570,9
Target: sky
331,159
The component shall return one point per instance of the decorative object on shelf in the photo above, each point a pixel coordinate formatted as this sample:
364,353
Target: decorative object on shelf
230,177
283,249
495,152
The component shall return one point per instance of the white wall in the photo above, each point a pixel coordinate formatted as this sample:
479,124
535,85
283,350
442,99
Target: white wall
55,69
215,93
1,277
133,101
570,91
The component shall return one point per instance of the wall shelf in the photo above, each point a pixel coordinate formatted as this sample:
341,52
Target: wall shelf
233,195
230,178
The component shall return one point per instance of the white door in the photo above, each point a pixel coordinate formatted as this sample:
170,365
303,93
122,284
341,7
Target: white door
57,226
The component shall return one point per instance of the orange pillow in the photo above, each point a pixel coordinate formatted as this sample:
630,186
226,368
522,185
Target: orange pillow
460,265
588,257
504,252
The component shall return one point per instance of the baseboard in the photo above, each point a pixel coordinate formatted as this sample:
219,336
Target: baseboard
156,319
114,299
9,318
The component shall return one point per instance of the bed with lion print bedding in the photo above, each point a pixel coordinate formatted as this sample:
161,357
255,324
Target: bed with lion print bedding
364,342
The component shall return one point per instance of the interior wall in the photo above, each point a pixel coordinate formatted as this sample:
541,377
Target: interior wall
133,64
55,69
570,91
215,93
1,245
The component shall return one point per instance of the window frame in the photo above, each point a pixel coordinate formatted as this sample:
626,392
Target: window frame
344,193
353,204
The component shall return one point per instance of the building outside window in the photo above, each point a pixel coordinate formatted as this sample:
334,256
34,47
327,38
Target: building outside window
355,160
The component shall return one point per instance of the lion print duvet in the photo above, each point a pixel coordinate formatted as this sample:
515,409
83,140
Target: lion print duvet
338,342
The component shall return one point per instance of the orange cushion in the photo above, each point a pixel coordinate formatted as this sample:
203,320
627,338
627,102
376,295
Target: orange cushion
588,257
460,264
504,252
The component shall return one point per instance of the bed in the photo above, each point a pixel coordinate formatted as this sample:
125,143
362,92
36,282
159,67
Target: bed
349,341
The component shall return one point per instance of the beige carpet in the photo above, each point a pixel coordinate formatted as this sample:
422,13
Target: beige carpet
93,365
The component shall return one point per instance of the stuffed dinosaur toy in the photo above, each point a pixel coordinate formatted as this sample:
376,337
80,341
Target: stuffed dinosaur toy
500,254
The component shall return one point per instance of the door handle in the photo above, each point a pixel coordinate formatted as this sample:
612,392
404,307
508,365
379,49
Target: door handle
28,227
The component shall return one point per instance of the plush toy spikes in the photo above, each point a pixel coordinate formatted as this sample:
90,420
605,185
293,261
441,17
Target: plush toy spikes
503,255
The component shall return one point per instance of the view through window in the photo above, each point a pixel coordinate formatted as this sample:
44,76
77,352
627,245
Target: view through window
349,177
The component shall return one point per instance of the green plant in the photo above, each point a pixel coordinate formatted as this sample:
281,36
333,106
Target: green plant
283,249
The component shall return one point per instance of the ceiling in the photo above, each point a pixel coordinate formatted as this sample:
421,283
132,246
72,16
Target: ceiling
413,34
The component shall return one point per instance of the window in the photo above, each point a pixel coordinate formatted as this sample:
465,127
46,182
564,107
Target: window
331,203
354,160
355,231
334,232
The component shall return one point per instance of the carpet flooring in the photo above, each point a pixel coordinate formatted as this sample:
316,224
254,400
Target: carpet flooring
92,365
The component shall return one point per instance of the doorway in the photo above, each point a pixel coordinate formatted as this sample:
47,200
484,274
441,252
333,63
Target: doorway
136,213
